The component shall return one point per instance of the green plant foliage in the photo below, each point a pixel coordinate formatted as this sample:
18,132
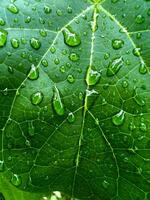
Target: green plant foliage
75,99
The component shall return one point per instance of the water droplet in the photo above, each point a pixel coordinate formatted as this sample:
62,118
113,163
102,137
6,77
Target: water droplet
57,103
139,100
118,119
2,22
15,43
44,63
36,98
143,127
16,180
59,12
5,91
71,38
139,19
92,76
47,9
56,61
10,69
71,117
43,33
143,69
74,57
52,49
125,84
62,69
35,43
27,143
114,66
27,19
106,56
69,9
105,184
137,51
138,35
13,8
34,73
117,43
81,96
70,78
1,165
3,37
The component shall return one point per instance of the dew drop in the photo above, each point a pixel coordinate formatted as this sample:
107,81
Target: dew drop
56,61
59,12
69,9
2,22
44,63
52,49
71,38
139,19
114,66
118,119
27,19
57,103
125,84
3,37
71,117
62,69
117,43
143,69
74,57
31,129
132,126
13,8
5,92
47,9
143,127
34,73
70,78
105,184
137,52
16,180
43,33
36,98
139,100
92,76
15,43
35,43
10,69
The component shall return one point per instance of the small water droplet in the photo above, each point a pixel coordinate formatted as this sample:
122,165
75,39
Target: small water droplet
143,127
57,103
35,43
27,19
10,69
132,126
118,119
114,66
34,73
5,91
71,38
16,180
52,49
15,43
92,76
2,22
47,9
59,12
139,19
69,9
71,117
43,33
137,52
105,184
31,129
62,69
70,78
139,100
143,69
44,63
13,8
125,84
117,43
36,98
74,57
3,37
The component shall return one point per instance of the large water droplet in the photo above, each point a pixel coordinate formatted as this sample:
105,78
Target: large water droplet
36,98
117,43
35,43
71,38
13,8
118,119
3,37
34,73
16,180
15,43
92,77
71,117
57,103
114,66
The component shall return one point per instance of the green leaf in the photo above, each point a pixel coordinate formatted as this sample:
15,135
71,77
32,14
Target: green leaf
75,98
